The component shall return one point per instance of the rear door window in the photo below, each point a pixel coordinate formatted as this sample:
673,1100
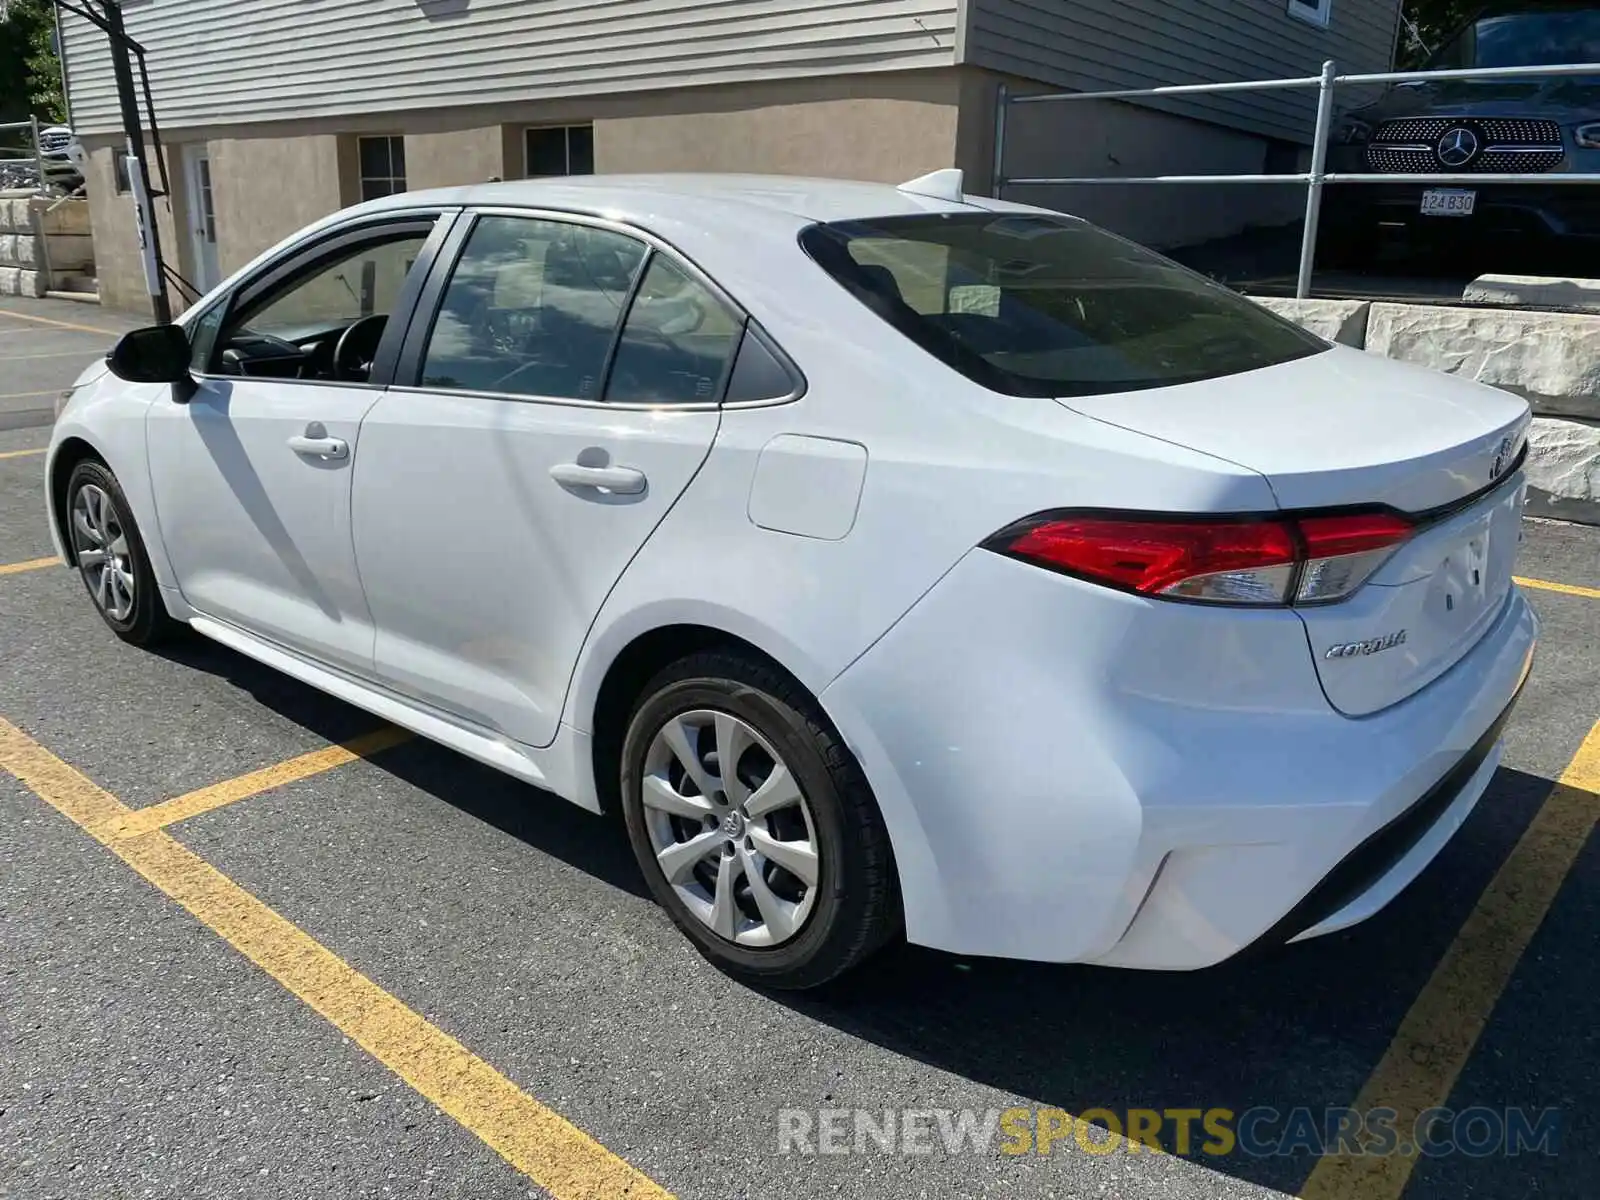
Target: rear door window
532,309
1033,304
676,343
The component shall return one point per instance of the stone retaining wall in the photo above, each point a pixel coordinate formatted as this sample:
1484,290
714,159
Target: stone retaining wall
1550,358
41,240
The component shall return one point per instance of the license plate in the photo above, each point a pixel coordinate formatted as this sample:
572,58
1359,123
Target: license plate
1448,202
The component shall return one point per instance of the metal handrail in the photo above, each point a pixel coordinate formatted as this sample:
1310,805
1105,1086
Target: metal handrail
1305,177
37,155
1308,81
1318,176
1176,89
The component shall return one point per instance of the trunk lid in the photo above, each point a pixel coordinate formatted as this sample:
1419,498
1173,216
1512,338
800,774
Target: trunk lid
1424,609
1349,429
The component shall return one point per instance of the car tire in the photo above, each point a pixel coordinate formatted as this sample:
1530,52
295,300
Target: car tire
120,582
786,933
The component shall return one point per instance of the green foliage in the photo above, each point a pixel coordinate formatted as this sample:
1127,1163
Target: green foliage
1434,21
30,72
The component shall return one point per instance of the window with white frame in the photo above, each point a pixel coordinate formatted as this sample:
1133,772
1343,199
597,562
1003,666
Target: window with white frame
383,166
558,150
1313,12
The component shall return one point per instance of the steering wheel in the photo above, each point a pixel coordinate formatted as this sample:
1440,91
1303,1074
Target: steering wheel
358,346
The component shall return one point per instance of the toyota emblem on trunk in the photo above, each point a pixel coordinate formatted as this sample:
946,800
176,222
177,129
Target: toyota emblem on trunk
1502,457
1457,147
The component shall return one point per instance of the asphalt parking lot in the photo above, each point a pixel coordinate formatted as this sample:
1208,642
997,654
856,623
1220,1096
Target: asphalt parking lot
254,945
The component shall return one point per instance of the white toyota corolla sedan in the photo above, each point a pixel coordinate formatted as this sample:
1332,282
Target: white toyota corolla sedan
892,559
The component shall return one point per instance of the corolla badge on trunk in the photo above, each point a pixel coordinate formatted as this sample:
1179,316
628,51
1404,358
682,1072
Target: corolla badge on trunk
1371,646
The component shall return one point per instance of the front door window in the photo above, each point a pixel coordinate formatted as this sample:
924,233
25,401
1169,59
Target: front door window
324,322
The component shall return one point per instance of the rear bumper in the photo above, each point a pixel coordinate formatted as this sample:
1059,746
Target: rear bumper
1121,782
1386,861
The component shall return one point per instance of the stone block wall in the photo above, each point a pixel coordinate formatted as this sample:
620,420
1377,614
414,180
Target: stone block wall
42,240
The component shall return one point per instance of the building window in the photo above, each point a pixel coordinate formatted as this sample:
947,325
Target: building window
559,150
1313,12
383,166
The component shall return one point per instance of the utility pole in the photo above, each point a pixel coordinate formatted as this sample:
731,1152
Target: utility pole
107,15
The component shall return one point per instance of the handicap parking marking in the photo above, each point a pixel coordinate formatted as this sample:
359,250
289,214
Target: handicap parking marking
551,1151
141,821
1437,1036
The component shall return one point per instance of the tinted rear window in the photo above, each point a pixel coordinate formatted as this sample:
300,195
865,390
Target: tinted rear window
1036,305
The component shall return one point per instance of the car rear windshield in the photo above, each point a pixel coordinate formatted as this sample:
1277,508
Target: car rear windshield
1040,305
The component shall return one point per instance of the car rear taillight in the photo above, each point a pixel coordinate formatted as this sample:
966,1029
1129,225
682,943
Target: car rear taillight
1341,553
1229,560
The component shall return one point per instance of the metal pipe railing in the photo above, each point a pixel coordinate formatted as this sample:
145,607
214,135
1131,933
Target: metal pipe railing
1305,177
1317,177
33,154
1176,89
1491,73
1319,170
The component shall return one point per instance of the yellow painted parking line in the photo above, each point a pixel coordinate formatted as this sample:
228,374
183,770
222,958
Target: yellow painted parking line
22,453
7,314
51,354
33,564
551,1151
28,395
1568,588
1434,1041
181,808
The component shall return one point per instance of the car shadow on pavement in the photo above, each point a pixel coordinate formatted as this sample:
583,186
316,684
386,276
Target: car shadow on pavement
1299,1027
593,844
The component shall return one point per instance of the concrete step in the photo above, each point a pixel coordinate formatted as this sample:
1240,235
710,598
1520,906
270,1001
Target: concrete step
1532,291
76,281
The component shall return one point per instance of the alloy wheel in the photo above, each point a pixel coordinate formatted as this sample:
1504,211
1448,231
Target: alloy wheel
104,557
730,828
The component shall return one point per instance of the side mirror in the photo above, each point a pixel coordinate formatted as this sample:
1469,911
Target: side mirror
159,354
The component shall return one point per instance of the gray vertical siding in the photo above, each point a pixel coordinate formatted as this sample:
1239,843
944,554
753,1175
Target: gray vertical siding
215,62
1093,45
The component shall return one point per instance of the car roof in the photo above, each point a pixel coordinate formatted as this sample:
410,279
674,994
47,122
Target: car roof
687,199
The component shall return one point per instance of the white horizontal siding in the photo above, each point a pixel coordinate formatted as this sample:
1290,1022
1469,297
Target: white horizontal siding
1094,45
218,62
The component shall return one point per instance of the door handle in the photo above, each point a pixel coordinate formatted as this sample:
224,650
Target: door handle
624,481
322,447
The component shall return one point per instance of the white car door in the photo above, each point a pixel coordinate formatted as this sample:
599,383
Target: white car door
567,393
252,474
